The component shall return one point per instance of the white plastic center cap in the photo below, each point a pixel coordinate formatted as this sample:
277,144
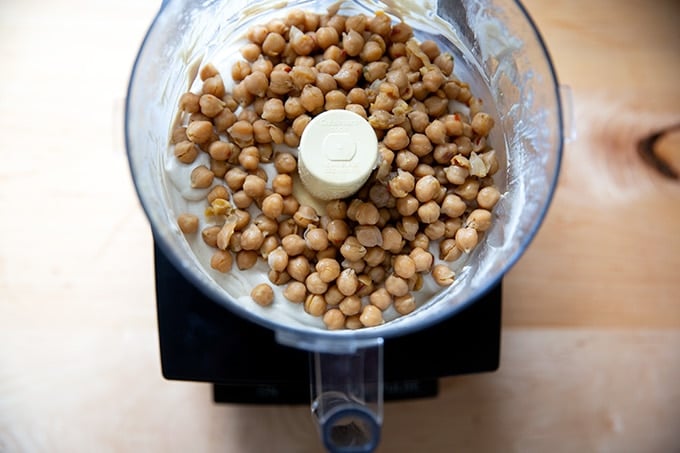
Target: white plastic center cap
338,151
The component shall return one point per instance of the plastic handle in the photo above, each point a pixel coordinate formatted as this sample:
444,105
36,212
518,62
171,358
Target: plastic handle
347,398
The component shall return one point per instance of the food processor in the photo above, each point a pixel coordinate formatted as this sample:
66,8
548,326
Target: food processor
497,50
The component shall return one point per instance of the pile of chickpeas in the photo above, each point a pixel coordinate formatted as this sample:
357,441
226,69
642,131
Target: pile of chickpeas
432,190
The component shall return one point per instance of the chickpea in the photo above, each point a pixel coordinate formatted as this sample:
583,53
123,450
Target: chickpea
380,196
352,249
188,223
298,267
381,298
199,132
352,42
392,239
448,251
272,206
358,96
353,322
305,216
295,292
436,132
336,209
246,259
335,100
456,174
466,239
487,197
241,133
408,227
235,178
353,207
433,80
453,206
479,219
186,152
435,230
188,102
277,259
251,238
427,188
442,275
285,163
316,239
490,161
348,75
326,37
422,258
451,226
302,44
209,235
371,316
334,319
256,83
429,212
218,167
404,304
315,284
257,34
336,54
254,186
396,285
468,190
240,70
328,269
350,305
482,123
334,296
274,111
273,45
293,244
337,230
278,278
330,67
369,235
241,200
404,266
213,85
396,139
262,294
436,106
367,214
372,51
401,184
380,24
201,177
375,256
221,261
315,304
408,205
347,282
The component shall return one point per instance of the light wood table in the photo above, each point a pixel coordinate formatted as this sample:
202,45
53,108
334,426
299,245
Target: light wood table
591,339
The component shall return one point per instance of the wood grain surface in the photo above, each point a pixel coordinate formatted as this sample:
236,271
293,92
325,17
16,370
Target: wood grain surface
591,341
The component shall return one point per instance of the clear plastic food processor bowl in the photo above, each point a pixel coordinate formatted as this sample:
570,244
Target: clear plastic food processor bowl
497,50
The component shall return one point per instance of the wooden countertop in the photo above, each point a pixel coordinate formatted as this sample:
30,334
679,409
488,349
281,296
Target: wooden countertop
591,340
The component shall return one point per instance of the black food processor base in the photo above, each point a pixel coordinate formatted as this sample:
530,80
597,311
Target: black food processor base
202,341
